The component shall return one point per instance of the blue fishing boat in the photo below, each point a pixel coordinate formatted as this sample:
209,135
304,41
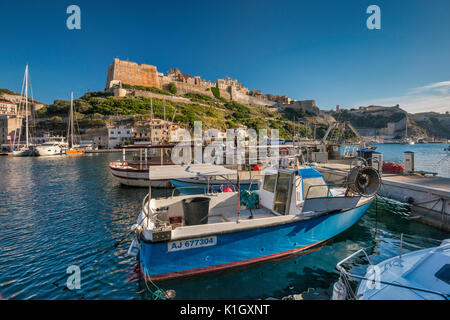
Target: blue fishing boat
293,210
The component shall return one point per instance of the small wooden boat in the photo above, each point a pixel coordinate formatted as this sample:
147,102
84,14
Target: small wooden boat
135,173
293,210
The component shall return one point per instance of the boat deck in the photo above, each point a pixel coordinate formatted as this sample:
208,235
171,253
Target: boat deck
244,214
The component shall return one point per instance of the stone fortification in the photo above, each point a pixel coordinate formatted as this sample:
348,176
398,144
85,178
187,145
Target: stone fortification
130,73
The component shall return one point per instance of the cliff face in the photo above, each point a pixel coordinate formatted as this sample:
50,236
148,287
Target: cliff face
389,122
436,124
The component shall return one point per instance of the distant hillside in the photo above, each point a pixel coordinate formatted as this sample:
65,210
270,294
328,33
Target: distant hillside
435,124
97,108
384,121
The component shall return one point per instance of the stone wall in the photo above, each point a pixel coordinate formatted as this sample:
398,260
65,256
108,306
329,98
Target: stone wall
133,74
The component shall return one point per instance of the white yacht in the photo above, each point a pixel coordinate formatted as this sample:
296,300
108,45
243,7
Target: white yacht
54,146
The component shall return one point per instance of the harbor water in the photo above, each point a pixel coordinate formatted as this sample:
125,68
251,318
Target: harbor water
58,212
428,156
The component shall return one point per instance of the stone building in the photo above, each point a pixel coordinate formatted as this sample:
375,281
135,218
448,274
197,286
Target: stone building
9,122
307,105
130,73
133,74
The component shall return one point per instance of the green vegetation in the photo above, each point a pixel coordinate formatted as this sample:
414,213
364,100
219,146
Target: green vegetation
216,93
6,91
172,88
369,119
151,89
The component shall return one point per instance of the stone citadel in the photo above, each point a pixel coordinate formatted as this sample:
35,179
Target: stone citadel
130,73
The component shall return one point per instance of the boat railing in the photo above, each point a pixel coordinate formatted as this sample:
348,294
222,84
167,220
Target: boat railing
328,187
346,275
188,187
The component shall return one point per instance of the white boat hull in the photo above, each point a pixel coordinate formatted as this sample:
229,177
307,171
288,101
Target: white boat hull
23,153
132,177
49,150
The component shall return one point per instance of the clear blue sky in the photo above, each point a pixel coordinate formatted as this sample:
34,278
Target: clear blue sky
304,49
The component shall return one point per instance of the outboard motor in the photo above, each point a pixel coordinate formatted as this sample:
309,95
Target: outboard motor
364,181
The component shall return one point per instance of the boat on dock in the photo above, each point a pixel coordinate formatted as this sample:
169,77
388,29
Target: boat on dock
293,210
417,275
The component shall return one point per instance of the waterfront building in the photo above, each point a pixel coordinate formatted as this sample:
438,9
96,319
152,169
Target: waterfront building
118,136
9,122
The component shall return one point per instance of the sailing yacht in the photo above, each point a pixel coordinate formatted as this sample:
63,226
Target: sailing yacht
73,149
26,150
407,140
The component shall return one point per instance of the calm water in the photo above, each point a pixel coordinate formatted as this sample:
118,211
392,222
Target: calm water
428,157
62,211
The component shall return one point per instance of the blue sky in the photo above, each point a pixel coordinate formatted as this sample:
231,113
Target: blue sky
318,50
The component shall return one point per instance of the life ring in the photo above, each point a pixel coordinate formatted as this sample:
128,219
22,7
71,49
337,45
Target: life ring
284,151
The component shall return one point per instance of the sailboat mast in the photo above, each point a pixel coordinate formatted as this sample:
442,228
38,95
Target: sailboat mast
151,120
406,129
26,103
71,119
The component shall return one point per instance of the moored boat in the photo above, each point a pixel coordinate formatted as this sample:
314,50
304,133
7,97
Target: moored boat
293,210
417,275
73,149
136,175
54,146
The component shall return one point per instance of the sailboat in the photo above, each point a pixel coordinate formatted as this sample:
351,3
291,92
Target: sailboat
73,149
26,150
407,140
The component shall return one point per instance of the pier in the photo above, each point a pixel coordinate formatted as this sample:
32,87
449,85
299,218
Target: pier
429,197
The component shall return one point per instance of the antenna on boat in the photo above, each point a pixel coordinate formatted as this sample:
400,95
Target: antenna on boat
239,193
149,191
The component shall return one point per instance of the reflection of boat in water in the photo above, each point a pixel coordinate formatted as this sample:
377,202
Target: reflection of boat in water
293,210
418,275
447,149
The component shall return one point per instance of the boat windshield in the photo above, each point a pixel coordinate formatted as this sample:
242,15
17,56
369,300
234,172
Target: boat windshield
318,189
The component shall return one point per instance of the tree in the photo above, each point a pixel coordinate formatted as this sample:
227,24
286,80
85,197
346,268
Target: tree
172,88
56,119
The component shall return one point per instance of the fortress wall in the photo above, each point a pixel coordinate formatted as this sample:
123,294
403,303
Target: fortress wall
133,74
250,100
146,75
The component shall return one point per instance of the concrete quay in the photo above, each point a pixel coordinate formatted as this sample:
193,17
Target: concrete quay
429,197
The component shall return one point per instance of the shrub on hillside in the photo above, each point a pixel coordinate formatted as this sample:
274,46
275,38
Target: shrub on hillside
172,88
